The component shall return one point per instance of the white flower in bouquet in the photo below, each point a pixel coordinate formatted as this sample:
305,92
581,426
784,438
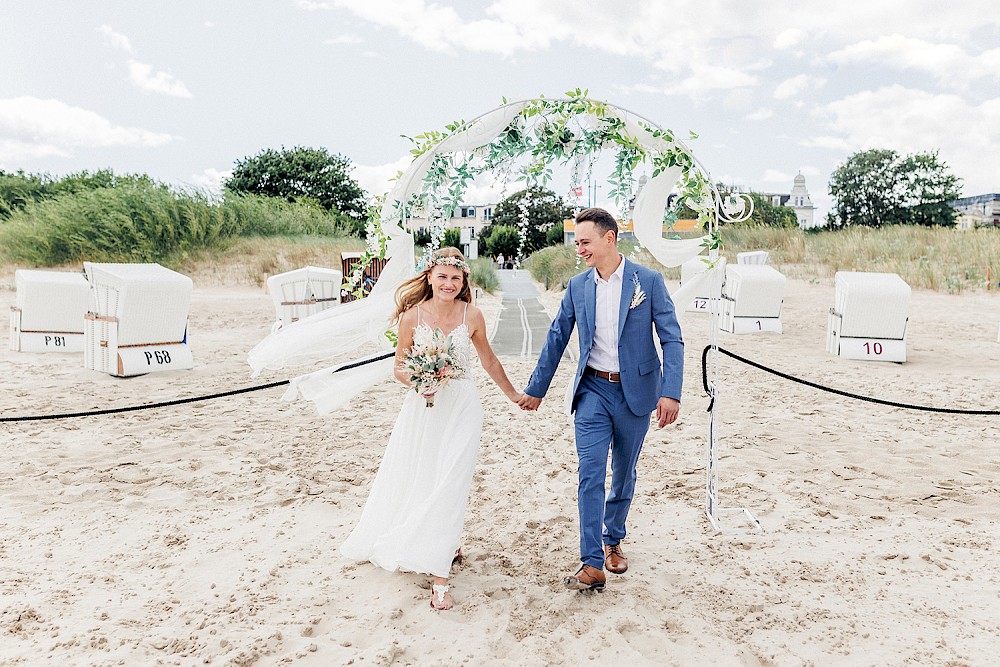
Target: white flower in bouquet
432,364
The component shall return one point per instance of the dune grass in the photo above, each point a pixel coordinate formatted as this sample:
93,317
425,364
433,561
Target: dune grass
925,257
148,222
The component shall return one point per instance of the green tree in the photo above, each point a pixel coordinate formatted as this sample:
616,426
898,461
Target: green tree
556,234
452,238
301,173
503,240
766,214
545,210
879,187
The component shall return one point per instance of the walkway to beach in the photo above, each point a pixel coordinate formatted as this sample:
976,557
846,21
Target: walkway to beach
523,323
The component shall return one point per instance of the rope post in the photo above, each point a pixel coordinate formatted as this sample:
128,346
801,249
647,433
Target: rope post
710,374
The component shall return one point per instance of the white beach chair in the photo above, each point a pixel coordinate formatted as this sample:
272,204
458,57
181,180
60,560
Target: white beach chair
49,310
868,320
138,319
303,292
753,257
752,298
710,293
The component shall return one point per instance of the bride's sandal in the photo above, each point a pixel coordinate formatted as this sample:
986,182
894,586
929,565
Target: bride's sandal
441,598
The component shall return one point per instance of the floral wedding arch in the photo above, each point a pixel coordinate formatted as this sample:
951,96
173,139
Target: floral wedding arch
519,139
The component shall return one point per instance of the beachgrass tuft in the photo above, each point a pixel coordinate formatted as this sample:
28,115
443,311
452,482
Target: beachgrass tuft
925,257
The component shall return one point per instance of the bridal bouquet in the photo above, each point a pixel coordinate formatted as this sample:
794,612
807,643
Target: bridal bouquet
432,364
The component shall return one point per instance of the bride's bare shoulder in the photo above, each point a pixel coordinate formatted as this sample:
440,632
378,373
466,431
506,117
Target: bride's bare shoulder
408,318
474,315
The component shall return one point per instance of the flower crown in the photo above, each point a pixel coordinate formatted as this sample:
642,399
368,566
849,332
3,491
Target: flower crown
457,262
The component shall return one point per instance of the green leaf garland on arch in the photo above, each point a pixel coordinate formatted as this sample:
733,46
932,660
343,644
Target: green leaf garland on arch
566,131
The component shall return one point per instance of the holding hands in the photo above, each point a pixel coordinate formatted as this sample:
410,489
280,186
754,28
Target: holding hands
529,402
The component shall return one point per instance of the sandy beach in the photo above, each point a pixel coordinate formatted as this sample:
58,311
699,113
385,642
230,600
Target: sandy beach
207,533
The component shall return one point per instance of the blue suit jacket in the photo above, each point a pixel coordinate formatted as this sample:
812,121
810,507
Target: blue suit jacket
643,378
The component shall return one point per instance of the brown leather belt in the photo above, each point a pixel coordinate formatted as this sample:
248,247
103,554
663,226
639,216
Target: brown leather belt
607,375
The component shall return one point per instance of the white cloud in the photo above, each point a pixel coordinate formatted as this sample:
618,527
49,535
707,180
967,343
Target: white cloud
775,176
13,152
797,85
310,6
345,38
786,39
704,81
440,28
115,39
706,78
830,143
375,179
907,120
950,64
211,179
142,76
760,114
32,128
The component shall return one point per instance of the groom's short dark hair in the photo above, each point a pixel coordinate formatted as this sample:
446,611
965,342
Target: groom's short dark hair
603,221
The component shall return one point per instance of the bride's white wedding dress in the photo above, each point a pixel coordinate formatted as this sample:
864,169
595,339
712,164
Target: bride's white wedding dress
413,517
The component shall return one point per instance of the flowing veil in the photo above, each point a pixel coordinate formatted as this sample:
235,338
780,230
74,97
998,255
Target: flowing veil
342,330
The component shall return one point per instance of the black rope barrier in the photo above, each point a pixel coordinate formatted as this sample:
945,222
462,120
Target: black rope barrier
926,408
192,399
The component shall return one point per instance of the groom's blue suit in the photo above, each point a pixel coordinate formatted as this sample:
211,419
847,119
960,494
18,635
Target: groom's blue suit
609,414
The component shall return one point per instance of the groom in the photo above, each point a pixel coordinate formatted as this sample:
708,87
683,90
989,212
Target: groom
619,382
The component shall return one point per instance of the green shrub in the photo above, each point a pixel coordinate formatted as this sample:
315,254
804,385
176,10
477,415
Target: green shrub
554,266
452,238
483,272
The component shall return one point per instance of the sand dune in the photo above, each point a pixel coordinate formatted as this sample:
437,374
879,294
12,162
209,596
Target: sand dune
207,533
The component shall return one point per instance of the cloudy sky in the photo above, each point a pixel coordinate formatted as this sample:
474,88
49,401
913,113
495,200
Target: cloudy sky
182,89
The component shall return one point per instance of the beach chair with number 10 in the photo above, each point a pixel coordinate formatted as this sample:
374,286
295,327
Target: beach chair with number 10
869,317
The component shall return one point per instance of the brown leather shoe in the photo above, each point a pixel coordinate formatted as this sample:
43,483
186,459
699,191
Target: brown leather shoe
587,578
614,559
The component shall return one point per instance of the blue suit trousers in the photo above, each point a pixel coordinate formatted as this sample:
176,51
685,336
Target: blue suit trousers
604,422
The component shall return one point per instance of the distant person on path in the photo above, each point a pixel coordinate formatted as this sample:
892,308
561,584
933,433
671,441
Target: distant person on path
619,381
500,259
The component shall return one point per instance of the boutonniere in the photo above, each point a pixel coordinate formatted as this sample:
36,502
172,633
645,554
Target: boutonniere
638,296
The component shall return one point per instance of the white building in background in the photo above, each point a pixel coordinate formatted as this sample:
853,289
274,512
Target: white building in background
978,211
465,215
798,200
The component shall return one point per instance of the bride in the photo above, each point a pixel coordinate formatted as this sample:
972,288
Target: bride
413,517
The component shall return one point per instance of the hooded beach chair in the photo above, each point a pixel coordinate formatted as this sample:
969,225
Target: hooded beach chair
138,319
49,311
303,292
752,298
710,292
753,257
869,317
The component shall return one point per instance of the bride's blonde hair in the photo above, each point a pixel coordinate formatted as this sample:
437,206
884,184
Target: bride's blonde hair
418,288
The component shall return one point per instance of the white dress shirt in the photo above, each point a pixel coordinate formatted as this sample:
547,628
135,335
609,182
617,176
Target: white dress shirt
604,354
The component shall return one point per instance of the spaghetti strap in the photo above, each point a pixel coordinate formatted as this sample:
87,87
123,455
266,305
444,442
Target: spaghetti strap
466,312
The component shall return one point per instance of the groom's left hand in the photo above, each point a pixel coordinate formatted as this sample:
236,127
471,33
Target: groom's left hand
667,410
